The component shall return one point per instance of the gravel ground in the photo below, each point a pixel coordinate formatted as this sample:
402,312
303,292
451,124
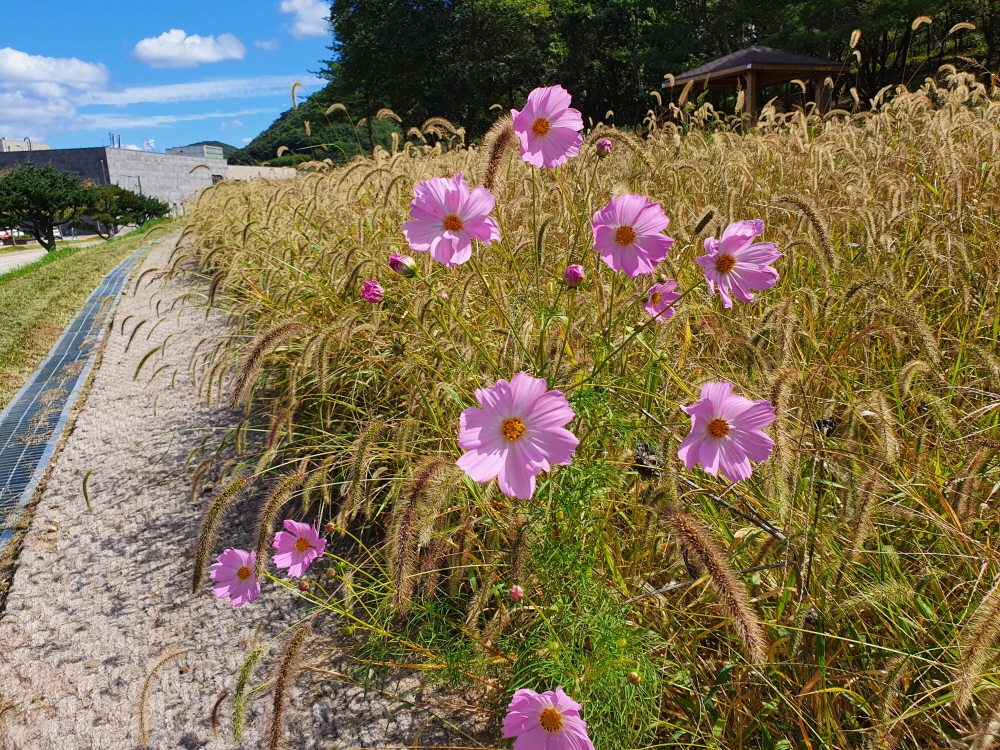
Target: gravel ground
100,599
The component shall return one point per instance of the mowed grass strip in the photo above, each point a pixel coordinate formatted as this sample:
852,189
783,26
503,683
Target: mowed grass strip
37,301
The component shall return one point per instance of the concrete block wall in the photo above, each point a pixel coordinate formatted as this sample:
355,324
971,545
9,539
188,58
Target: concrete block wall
171,178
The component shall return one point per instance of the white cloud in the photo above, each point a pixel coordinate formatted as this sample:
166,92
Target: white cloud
310,17
226,88
49,74
175,49
124,122
245,140
132,147
269,44
230,125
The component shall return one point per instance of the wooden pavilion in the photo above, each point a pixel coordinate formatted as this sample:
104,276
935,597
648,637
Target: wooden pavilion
755,67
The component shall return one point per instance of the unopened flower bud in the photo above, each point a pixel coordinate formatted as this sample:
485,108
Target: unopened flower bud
331,573
604,147
443,295
372,292
573,275
329,528
633,678
303,585
516,593
404,265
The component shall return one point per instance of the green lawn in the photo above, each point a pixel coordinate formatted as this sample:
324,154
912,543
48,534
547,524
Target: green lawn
38,300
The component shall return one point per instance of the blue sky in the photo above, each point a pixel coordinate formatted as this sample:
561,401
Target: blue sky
175,72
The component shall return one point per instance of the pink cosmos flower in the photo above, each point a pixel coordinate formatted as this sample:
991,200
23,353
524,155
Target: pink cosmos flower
404,265
738,264
627,234
573,275
232,572
297,547
548,127
515,434
726,432
372,291
660,298
546,721
604,147
446,217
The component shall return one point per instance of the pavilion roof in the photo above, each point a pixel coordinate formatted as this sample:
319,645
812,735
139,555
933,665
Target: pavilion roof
773,65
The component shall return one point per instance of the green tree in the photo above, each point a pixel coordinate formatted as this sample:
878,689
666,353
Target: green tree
39,199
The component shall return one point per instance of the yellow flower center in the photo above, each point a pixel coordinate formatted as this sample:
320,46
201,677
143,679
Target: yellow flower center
551,720
725,263
452,222
541,126
244,573
656,298
302,544
718,428
513,429
625,235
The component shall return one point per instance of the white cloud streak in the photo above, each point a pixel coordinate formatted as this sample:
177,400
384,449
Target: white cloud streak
176,49
310,17
226,88
123,122
268,44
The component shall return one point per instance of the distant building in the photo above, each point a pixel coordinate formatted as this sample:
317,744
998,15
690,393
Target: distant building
200,150
7,146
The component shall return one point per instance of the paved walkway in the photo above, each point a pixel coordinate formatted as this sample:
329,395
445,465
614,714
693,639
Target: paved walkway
10,261
99,599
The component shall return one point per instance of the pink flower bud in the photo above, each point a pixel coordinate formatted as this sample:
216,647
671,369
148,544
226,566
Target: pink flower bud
372,292
329,528
404,265
303,586
604,147
516,593
573,275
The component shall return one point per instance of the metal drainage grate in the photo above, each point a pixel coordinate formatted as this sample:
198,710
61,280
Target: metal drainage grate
32,422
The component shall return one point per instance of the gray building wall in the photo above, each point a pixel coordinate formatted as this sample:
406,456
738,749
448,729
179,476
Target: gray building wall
167,177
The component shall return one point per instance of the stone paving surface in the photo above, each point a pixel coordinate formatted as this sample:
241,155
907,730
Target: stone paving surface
99,599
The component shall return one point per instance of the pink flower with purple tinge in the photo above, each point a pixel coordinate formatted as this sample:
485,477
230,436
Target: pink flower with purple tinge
516,434
232,572
726,433
628,234
446,217
660,299
737,264
516,593
372,291
604,147
546,721
548,127
573,275
297,547
404,265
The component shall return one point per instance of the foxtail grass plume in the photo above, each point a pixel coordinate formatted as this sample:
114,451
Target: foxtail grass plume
233,574
726,433
546,721
660,299
515,434
737,264
404,265
628,233
446,216
372,291
297,547
574,275
548,127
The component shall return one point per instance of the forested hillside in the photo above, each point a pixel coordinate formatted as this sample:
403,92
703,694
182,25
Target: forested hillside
457,58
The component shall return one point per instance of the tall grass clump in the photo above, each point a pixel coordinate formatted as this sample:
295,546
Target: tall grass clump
843,596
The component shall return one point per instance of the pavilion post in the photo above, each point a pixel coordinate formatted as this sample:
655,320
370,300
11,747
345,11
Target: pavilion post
750,99
822,96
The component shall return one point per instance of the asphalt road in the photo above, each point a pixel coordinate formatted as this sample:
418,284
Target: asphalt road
10,261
